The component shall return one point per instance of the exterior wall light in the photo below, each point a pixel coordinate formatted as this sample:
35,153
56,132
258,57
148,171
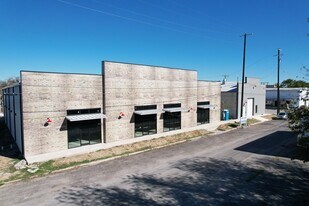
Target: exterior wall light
48,121
121,115
190,109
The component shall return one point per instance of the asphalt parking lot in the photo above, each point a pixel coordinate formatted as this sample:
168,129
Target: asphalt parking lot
254,165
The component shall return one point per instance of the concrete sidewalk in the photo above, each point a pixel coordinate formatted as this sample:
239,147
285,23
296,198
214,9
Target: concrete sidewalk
92,148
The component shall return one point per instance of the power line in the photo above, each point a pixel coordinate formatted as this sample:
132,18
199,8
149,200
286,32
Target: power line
202,14
259,60
123,17
182,14
140,21
157,19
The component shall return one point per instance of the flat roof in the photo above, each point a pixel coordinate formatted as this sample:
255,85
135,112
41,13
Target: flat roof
30,71
298,88
209,81
229,87
149,65
12,85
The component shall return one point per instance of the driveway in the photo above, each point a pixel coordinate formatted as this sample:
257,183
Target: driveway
244,166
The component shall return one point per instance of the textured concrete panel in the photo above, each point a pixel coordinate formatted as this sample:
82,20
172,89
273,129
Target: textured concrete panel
50,95
129,85
210,91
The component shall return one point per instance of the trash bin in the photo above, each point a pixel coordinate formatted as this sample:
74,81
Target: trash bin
225,114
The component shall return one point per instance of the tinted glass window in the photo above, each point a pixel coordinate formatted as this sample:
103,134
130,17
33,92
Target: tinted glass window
84,133
203,103
145,124
172,105
145,107
83,111
202,116
171,121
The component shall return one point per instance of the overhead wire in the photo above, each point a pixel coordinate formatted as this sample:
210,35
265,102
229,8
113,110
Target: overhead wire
139,21
203,13
122,17
158,19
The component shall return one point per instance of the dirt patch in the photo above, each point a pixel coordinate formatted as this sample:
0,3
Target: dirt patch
269,117
9,153
9,173
130,148
227,126
253,121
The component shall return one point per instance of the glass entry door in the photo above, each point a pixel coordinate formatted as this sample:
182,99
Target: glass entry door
145,124
82,133
171,121
202,116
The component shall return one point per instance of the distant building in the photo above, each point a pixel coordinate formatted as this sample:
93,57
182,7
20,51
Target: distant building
293,97
254,98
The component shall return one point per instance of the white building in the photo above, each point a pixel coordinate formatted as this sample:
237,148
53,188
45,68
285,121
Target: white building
254,98
294,97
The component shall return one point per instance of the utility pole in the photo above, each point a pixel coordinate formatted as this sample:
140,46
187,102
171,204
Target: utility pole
243,73
224,78
278,81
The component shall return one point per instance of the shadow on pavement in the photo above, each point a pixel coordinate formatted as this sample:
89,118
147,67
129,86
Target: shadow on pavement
202,181
8,147
280,144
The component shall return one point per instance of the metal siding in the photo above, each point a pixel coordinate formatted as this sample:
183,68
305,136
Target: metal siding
4,104
17,107
12,112
9,109
6,108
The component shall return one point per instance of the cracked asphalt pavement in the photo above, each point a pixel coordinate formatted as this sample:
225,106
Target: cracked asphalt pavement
253,165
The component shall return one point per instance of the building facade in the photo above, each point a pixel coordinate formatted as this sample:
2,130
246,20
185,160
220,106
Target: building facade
293,97
56,112
254,98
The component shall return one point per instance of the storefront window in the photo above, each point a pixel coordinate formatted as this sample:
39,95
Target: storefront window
171,120
202,113
202,116
85,132
145,124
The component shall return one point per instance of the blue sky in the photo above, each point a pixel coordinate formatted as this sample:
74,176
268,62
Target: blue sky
76,35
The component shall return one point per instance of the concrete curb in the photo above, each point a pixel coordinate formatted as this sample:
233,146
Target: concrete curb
96,162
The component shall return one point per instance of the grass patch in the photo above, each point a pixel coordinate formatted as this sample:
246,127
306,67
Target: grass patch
227,126
254,175
48,167
233,125
269,117
252,121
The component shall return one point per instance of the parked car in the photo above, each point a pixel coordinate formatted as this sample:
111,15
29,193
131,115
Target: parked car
282,115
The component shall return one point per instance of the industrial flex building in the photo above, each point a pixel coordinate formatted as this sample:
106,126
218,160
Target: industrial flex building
48,113
254,98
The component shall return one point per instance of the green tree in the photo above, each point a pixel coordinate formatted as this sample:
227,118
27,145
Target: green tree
291,83
4,83
8,82
299,122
